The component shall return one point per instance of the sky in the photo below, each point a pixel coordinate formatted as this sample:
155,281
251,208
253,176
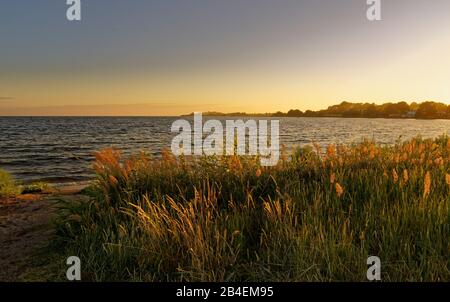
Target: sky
171,57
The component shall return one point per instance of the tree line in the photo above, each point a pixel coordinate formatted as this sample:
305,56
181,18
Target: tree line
425,110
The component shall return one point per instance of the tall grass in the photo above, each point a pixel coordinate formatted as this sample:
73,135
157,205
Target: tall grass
8,187
316,216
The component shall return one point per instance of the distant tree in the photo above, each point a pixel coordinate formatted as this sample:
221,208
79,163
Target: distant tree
402,107
279,114
441,108
371,111
396,109
427,110
309,113
321,113
352,113
294,113
414,106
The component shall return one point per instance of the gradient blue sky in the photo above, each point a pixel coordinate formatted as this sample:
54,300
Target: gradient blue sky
143,57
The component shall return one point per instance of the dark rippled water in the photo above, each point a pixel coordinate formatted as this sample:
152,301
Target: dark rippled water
60,149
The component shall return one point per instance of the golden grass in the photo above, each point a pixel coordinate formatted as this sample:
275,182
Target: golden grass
316,216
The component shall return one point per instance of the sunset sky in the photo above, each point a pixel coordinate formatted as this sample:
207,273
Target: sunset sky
143,57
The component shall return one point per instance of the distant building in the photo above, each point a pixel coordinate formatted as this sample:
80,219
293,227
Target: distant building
410,114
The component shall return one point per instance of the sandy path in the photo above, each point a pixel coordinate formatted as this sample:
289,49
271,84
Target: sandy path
25,227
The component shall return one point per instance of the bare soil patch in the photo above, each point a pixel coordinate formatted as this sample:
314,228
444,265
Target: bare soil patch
25,228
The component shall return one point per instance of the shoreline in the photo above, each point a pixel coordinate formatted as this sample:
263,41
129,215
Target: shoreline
70,188
27,232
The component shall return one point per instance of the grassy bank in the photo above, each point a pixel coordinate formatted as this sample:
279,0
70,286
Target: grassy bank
313,217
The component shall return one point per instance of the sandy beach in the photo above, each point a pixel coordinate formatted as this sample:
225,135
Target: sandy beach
26,228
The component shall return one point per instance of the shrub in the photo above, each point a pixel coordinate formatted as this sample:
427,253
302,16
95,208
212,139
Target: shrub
8,187
36,187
